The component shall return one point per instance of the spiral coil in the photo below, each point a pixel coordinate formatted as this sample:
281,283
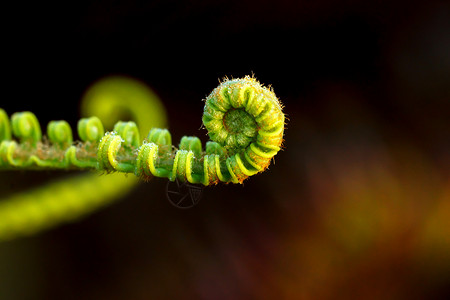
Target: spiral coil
244,121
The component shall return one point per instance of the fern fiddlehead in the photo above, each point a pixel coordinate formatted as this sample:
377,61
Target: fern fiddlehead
244,120
245,123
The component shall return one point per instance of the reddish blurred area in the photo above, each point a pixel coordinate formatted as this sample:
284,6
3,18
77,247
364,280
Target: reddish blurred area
356,206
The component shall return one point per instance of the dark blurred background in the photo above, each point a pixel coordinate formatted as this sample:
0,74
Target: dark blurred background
356,206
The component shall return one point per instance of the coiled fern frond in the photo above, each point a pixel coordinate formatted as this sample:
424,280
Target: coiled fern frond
244,121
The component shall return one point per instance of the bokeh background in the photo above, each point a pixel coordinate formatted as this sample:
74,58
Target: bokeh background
357,206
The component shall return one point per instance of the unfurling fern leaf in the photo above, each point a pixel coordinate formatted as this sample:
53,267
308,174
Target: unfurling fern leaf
244,121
